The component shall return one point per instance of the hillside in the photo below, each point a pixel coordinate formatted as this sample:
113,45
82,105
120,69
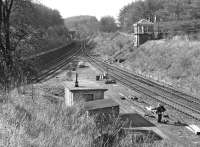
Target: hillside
175,62
87,24
115,45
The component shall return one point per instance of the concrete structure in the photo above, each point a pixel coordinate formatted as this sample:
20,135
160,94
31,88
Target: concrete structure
83,94
145,135
143,30
194,128
135,120
141,128
106,106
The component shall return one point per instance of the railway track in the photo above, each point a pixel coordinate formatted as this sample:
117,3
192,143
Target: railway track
46,52
175,99
50,69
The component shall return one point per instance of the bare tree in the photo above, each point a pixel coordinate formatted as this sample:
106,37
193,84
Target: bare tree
9,39
5,12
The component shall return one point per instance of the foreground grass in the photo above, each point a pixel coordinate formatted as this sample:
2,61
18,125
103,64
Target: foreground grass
41,122
35,120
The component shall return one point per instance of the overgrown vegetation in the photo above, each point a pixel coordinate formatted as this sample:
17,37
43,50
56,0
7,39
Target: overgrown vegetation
173,61
108,24
26,28
83,24
90,25
42,122
112,45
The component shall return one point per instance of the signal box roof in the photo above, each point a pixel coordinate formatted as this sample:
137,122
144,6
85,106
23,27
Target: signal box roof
82,88
144,22
99,104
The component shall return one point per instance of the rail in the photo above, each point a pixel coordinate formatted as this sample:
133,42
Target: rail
53,67
46,52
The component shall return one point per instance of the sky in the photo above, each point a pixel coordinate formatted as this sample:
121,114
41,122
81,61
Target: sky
98,8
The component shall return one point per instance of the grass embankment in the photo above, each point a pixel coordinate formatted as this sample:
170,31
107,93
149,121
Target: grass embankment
41,120
175,62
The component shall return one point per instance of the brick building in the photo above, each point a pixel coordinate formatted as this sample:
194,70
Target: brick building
83,94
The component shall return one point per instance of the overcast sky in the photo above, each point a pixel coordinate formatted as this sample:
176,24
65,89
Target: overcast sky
96,8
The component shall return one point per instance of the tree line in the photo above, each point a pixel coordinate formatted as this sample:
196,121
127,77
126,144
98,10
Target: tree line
90,25
168,15
182,11
26,28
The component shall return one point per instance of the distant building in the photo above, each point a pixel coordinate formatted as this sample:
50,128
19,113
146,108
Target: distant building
73,34
143,30
83,94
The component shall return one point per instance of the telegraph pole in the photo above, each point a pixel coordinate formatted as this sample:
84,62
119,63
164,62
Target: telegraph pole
76,82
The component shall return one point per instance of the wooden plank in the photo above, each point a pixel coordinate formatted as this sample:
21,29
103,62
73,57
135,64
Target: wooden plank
194,128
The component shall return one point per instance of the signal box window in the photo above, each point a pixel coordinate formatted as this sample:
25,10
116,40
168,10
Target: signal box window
88,97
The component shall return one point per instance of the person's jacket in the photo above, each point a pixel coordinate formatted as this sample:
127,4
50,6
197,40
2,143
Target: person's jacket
160,109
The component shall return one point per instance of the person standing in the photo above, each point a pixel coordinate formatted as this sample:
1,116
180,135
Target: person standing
160,109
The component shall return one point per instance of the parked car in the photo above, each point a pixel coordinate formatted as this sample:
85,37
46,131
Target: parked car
122,97
110,81
134,98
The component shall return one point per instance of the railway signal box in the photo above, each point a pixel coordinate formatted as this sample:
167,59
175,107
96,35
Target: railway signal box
143,31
